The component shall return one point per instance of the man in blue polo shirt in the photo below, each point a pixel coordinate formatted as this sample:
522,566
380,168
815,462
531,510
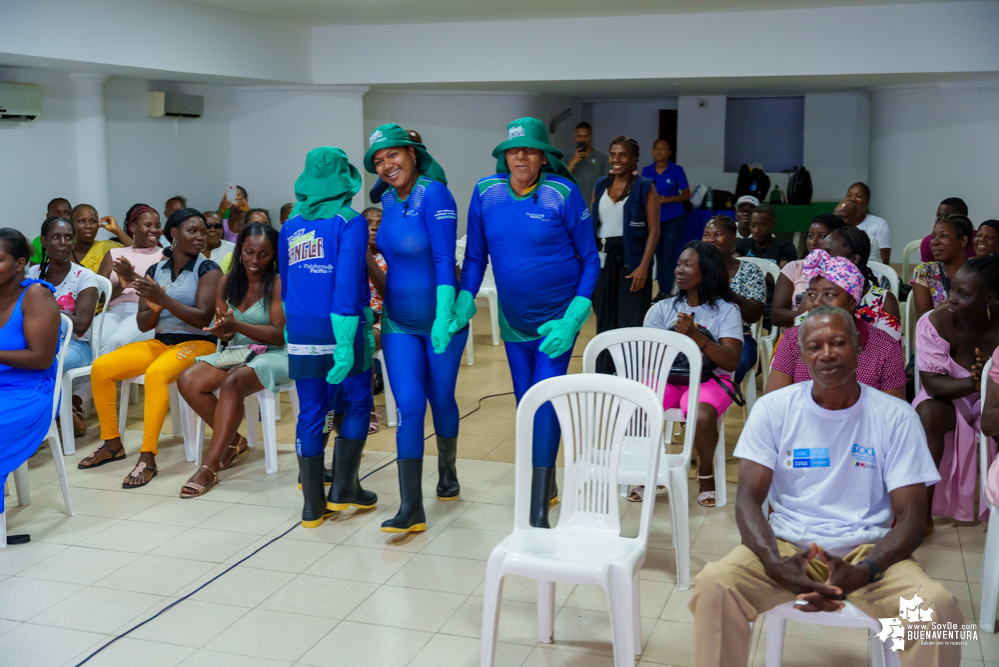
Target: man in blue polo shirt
671,184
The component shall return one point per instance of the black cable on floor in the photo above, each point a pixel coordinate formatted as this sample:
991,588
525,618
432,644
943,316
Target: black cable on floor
260,548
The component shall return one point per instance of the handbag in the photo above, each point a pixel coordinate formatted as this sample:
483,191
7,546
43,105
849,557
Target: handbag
234,356
679,373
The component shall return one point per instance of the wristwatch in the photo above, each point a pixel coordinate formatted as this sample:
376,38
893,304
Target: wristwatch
876,572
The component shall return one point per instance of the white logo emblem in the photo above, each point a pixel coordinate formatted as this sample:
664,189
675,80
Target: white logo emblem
376,136
914,623
515,132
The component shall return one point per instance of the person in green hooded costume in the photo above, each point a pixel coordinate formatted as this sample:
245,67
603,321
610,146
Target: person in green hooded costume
531,221
417,238
324,285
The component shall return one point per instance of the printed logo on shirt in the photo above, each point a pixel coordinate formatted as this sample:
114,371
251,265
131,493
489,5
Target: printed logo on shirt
536,216
816,457
586,214
375,136
863,457
446,214
515,132
303,246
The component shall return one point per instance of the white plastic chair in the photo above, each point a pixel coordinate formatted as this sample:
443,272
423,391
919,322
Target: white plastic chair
263,405
990,558
848,617
469,346
488,290
909,340
884,271
595,412
176,419
21,483
70,376
392,413
910,247
646,355
766,343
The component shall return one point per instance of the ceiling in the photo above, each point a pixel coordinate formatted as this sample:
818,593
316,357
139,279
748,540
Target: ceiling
373,12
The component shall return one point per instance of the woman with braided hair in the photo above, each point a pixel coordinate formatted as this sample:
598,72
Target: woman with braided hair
623,204
878,306
122,266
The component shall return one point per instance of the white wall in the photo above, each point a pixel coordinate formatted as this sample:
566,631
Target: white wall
152,159
638,119
461,129
38,159
928,144
837,127
273,128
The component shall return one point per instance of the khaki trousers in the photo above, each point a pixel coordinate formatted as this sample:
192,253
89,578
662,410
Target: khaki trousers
729,595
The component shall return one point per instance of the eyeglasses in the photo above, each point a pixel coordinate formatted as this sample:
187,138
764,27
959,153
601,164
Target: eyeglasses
216,226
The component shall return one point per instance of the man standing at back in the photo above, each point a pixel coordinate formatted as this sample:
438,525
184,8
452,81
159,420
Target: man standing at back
587,163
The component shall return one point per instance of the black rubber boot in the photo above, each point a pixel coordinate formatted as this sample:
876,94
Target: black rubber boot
411,517
310,471
542,483
447,471
328,474
554,498
346,491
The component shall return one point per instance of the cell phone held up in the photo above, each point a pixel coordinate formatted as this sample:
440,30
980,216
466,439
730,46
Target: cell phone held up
581,146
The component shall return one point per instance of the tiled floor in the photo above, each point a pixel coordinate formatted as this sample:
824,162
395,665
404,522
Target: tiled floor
346,593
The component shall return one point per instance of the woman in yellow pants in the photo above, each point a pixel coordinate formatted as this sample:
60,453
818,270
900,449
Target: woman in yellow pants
177,297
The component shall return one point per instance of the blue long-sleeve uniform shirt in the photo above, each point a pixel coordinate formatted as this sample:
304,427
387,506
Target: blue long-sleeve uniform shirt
324,271
417,239
542,249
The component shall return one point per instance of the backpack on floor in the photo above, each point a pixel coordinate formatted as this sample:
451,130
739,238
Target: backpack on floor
799,186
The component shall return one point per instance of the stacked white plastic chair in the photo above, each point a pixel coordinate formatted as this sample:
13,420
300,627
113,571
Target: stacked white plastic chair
884,271
21,483
768,342
585,546
645,355
907,266
990,558
70,376
392,414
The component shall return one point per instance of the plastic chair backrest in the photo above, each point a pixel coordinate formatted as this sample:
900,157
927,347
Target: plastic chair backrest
594,411
645,355
983,441
97,326
910,247
65,333
459,249
884,271
910,334
765,265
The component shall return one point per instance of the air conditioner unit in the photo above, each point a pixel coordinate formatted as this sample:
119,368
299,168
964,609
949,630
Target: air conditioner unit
20,102
175,105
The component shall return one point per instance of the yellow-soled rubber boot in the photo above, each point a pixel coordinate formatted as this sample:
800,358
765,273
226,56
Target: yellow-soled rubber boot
411,517
346,491
310,470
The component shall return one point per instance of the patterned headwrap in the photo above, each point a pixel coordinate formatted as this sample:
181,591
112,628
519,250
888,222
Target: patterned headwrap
133,215
838,270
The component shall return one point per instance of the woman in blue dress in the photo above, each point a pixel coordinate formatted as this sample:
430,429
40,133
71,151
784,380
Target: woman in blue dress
417,238
29,339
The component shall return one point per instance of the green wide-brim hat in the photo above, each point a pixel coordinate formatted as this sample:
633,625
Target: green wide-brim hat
530,133
391,135
328,183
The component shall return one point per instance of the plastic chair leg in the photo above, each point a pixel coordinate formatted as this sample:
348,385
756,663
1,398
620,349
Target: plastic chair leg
192,443
126,397
176,423
268,425
493,299
721,488
620,595
546,611
3,530
990,575
877,651
22,486
293,397
392,414
66,417
680,511
60,466
491,610
252,406
470,347
775,640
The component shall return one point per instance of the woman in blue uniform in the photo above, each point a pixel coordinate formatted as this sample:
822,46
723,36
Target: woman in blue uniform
417,238
531,221
324,286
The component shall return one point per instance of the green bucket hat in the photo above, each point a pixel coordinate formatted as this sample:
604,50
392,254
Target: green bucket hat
327,184
531,133
391,135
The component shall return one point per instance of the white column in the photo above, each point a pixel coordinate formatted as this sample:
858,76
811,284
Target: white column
91,142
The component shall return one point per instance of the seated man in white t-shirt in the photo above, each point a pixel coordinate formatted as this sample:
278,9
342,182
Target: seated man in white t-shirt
876,228
841,462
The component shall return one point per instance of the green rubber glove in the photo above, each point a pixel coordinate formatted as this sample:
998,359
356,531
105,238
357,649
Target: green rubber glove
369,331
344,330
464,311
285,311
440,334
561,334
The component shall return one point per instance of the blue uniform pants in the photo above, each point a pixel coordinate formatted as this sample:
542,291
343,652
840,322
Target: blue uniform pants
417,374
670,233
748,359
316,398
528,366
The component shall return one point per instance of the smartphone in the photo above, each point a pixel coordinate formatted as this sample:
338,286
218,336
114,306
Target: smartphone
580,145
230,192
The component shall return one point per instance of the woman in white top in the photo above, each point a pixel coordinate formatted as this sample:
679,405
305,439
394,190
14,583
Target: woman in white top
700,311
123,265
876,228
623,204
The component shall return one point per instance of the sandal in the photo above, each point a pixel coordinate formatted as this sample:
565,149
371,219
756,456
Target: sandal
373,423
138,477
115,456
199,490
636,493
241,447
79,425
706,498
